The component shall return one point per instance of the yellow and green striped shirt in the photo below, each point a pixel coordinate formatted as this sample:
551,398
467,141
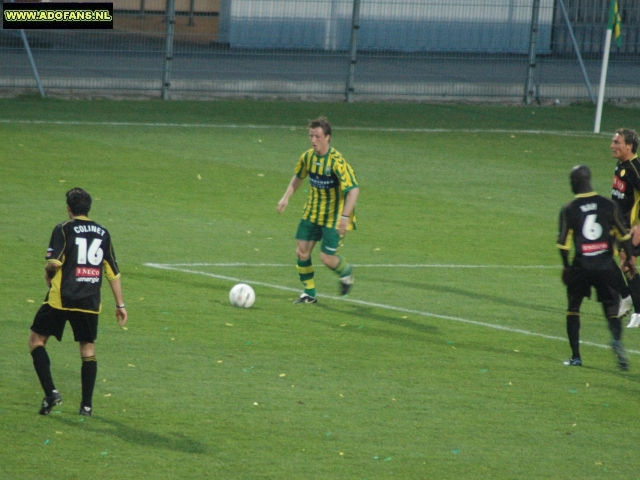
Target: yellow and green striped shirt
331,178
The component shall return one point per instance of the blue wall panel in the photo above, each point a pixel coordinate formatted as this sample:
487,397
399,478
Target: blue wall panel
388,35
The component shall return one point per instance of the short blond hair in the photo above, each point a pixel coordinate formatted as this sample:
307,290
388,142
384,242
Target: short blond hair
630,138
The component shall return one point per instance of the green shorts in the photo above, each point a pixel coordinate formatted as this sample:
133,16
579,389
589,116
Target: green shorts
312,232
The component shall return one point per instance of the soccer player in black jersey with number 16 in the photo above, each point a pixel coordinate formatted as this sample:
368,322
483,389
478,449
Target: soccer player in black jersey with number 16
591,223
79,251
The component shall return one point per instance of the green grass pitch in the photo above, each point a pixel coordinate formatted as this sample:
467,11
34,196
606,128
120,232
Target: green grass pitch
445,362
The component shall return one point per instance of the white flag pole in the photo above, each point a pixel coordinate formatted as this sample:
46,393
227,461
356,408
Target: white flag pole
603,80
614,22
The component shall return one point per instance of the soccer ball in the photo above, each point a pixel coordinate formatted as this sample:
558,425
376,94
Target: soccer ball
242,295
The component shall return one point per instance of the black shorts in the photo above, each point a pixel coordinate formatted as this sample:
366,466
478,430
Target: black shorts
605,282
50,321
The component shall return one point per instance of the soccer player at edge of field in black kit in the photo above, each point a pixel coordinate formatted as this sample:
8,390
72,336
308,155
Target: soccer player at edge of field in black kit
329,211
626,193
592,222
78,252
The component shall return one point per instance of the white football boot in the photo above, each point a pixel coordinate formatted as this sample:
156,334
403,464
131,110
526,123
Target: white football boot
634,321
625,306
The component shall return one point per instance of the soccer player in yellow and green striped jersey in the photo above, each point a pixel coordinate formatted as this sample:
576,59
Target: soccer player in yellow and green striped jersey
329,211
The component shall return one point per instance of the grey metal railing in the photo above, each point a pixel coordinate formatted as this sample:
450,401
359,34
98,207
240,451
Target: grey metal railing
334,49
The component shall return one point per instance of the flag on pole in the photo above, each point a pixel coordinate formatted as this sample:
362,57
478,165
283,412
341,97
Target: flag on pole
615,23
614,29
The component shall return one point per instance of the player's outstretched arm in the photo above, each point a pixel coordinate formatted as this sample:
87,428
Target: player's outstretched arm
629,261
294,184
121,313
635,235
631,265
566,270
349,205
50,270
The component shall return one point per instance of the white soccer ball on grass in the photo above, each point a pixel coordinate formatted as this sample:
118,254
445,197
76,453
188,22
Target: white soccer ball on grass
242,295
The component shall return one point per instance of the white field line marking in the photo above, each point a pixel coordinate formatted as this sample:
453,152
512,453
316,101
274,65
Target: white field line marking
292,127
369,265
379,305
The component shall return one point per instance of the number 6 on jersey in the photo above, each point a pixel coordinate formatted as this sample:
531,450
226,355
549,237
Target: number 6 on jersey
591,230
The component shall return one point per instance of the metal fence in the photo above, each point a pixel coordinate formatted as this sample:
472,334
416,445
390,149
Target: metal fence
487,50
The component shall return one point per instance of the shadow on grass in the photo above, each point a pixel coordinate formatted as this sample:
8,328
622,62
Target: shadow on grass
196,280
631,376
478,296
361,312
174,441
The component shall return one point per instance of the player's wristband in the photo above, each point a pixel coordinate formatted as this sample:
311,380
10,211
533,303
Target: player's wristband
345,216
120,306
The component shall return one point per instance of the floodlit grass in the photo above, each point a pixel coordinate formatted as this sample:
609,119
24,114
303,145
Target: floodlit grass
445,362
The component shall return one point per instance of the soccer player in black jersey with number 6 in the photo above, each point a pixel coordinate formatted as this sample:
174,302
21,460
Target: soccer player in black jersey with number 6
591,223
79,251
